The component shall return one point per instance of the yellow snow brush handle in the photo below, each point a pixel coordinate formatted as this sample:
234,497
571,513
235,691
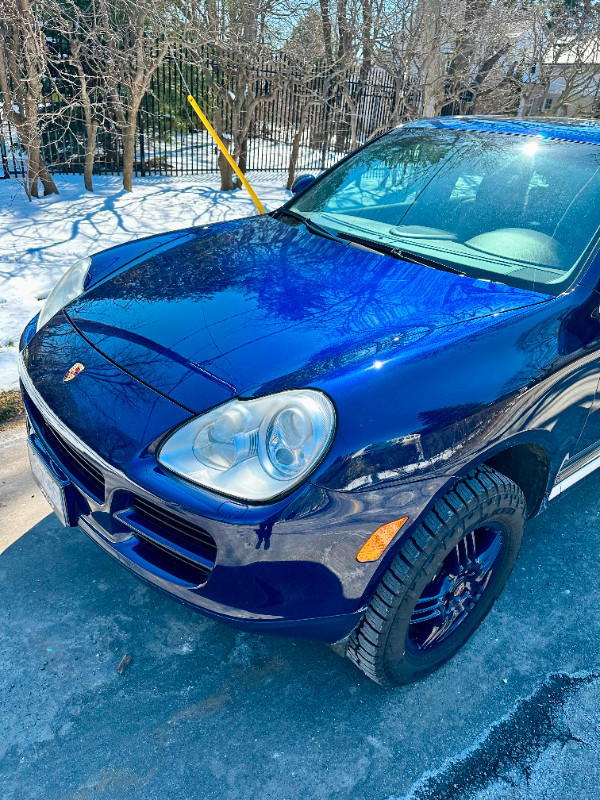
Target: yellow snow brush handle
227,154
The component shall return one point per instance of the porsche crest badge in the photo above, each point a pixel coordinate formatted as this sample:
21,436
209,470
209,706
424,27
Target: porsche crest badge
73,372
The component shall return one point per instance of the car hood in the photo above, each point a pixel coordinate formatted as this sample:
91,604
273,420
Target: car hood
259,305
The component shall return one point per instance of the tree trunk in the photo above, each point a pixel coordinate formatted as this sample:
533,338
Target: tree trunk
367,40
353,126
227,184
91,128
432,73
90,154
243,159
36,168
46,178
129,152
342,22
22,65
296,148
326,30
33,169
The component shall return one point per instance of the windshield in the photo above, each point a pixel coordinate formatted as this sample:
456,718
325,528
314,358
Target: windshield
519,210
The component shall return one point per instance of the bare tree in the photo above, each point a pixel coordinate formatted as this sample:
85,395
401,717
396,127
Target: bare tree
307,106
240,70
78,77
133,38
91,107
22,70
463,53
562,76
349,69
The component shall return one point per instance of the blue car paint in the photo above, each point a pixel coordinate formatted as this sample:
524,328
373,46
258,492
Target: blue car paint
567,130
453,372
302,183
258,323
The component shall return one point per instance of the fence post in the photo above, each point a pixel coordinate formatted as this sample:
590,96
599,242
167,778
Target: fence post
326,121
3,151
4,154
142,149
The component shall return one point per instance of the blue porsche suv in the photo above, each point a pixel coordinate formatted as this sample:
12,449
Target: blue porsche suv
332,421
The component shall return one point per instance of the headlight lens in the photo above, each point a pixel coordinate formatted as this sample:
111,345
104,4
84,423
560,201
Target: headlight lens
254,450
68,288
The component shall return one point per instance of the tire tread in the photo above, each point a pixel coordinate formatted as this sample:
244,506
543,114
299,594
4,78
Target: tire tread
366,644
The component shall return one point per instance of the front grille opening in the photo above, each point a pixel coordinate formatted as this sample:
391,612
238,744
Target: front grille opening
170,543
77,466
173,527
175,564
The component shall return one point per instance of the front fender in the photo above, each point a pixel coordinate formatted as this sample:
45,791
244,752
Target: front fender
460,394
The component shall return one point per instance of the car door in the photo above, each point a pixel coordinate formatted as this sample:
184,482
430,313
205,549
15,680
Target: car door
584,390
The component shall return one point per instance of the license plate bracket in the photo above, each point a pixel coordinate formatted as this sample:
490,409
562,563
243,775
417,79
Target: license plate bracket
51,487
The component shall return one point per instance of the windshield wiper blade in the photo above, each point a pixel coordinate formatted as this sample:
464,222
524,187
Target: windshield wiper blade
369,244
311,226
415,258
404,255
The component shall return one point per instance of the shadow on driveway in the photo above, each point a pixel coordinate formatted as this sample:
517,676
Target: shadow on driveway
204,711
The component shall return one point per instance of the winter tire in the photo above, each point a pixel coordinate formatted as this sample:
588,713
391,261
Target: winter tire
443,582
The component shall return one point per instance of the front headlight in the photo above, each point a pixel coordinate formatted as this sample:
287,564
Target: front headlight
253,450
68,288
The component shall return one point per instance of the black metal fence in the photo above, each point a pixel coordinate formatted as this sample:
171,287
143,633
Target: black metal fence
316,118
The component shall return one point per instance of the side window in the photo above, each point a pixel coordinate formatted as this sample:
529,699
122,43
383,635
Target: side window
466,187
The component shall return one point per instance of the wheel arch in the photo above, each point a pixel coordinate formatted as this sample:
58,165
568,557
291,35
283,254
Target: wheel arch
528,465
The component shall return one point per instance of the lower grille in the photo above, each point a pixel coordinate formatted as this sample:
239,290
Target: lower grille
164,542
77,466
183,568
168,524
184,550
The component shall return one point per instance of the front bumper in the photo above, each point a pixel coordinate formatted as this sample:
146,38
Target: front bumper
135,527
287,569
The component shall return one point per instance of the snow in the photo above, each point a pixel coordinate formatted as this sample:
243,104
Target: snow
41,239
197,151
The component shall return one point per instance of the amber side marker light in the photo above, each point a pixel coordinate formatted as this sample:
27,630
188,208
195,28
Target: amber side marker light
378,541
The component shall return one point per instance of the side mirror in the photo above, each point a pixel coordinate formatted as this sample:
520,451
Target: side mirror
302,183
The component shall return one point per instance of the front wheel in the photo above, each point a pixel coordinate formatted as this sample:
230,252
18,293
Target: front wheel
443,582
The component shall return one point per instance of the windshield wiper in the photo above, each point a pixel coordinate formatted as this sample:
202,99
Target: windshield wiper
404,255
311,226
369,244
415,258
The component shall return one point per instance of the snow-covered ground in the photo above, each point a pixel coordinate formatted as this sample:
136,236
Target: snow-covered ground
40,240
196,150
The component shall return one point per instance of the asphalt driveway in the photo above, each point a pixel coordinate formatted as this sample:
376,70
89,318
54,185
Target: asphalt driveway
206,712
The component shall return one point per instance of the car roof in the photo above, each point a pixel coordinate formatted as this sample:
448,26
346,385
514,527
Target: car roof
572,130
